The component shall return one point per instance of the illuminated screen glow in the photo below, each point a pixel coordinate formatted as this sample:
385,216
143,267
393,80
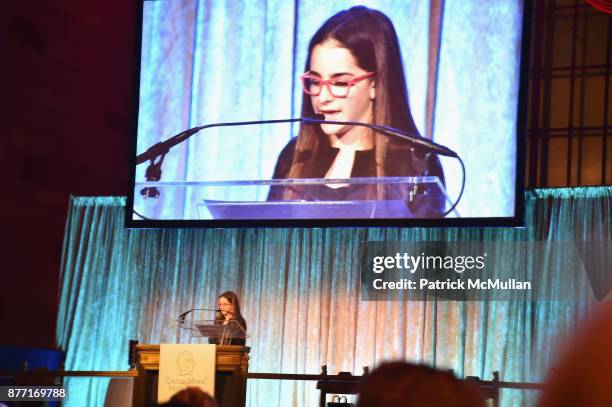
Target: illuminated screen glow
204,63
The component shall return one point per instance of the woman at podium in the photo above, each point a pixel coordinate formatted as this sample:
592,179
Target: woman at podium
354,73
229,315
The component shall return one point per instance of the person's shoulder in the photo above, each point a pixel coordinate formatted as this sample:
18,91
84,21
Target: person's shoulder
285,158
242,322
290,147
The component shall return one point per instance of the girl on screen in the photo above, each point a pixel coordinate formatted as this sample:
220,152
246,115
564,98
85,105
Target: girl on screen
354,73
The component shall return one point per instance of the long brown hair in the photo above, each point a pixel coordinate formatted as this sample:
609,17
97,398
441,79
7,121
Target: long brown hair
371,38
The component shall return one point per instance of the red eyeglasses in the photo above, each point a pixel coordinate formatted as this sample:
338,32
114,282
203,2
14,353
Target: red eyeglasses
338,87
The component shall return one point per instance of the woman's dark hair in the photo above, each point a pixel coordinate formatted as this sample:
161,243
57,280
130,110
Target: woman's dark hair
371,38
232,297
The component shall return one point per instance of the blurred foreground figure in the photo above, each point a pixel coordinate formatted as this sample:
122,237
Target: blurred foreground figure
405,384
191,397
583,377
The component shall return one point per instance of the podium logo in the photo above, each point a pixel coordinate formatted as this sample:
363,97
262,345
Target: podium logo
185,362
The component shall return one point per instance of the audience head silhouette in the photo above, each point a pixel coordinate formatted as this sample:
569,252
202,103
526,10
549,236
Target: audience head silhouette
406,384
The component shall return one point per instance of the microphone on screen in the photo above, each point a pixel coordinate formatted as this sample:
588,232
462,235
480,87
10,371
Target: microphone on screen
390,132
159,150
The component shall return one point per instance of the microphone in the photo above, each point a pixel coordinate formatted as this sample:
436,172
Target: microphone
402,135
154,172
391,132
162,148
184,314
181,320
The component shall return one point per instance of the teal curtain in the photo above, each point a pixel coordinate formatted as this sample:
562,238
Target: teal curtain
300,296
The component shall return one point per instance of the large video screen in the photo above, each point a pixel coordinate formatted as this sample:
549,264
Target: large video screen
312,113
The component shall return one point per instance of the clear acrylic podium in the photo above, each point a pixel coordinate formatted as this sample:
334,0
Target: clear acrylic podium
212,329
262,199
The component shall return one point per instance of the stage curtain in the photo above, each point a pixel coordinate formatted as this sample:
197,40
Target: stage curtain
300,296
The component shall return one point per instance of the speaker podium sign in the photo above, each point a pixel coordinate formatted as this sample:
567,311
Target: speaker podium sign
185,365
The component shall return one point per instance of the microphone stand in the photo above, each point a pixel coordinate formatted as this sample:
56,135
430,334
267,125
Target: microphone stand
411,138
154,172
181,320
391,132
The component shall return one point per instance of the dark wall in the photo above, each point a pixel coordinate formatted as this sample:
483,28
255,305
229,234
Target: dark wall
568,139
66,77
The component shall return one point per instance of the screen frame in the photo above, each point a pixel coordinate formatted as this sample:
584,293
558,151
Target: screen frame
507,221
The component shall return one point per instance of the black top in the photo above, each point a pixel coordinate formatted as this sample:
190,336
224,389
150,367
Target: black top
232,341
403,160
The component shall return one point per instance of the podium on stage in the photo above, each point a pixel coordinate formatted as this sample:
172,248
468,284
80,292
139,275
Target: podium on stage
312,198
229,333
232,365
